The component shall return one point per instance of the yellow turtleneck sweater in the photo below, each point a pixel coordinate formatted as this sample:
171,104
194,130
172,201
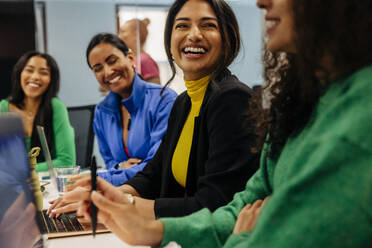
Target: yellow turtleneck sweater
196,91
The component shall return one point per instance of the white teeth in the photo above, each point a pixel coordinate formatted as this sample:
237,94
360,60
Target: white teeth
114,80
194,50
271,23
34,85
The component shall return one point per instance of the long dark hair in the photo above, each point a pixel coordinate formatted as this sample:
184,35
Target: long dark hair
44,115
229,30
338,30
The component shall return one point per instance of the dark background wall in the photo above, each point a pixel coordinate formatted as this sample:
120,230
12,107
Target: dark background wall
17,36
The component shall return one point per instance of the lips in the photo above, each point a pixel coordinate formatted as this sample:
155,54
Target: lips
114,80
194,52
33,85
271,24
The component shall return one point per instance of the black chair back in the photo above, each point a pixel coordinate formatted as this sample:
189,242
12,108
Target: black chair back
81,119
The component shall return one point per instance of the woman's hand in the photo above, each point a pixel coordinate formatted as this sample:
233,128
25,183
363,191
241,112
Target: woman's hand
61,205
130,162
248,216
120,215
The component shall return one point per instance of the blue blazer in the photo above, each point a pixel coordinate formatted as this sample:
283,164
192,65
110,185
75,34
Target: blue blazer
149,113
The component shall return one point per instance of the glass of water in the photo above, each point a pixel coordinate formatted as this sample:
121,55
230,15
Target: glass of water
62,174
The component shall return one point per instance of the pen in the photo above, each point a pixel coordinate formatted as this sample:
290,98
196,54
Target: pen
93,208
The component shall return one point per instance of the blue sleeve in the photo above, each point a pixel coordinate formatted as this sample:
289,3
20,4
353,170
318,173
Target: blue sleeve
102,144
119,176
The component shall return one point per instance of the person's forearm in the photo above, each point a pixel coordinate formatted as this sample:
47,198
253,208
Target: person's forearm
129,190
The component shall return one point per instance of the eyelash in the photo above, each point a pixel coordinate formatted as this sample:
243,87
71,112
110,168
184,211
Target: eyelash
181,26
44,73
204,25
209,25
112,61
95,70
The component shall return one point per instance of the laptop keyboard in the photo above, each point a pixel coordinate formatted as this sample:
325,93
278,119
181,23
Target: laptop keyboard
64,223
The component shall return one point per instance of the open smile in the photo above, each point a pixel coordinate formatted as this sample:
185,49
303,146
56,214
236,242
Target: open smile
193,52
33,85
271,24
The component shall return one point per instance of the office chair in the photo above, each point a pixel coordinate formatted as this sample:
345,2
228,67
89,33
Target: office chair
81,119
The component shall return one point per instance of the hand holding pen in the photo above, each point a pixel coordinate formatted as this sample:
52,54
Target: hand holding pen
93,208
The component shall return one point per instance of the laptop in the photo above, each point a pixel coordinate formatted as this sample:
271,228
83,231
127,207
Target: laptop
18,224
68,224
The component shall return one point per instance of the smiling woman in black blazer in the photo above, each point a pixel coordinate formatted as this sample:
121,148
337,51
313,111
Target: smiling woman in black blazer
216,164
205,155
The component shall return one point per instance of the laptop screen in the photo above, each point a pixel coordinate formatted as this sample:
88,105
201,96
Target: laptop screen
18,226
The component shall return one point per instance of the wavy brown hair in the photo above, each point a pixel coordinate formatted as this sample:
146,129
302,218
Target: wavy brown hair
335,30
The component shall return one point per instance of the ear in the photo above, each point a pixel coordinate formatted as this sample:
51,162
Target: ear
130,57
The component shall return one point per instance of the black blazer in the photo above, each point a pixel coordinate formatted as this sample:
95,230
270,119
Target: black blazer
220,161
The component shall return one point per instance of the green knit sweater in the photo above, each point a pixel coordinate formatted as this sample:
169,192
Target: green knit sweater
320,186
64,138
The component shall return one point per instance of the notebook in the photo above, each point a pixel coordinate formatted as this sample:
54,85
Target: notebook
67,224
18,225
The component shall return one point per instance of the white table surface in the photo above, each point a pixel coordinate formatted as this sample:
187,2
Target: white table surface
100,241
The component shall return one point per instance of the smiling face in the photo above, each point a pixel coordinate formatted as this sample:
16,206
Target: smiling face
196,44
113,70
35,77
279,25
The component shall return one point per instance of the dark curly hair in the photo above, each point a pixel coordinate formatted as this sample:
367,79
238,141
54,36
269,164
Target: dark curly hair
44,115
335,30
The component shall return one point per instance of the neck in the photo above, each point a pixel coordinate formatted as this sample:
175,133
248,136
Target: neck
31,105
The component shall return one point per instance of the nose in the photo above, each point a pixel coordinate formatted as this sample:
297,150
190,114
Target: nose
35,75
195,34
263,4
107,71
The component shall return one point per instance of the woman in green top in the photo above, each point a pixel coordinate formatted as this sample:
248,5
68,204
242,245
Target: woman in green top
35,84
316,164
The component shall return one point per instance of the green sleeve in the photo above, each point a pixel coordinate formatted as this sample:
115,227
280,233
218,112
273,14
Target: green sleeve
327,203
205,229
4,106
64,138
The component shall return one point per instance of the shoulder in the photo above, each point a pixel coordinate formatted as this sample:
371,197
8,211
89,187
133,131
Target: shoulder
57,103
345,112
228,88
59,108
109,104
155,90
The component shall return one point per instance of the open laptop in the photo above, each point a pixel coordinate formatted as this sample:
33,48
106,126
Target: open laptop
18,225
67,224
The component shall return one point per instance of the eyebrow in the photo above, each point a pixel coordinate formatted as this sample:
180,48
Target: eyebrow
203,19
33,67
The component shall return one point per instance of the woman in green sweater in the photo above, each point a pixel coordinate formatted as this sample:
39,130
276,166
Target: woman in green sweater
35,84
316,162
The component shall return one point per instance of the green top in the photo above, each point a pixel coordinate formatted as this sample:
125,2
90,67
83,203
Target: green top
64,140
320,187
